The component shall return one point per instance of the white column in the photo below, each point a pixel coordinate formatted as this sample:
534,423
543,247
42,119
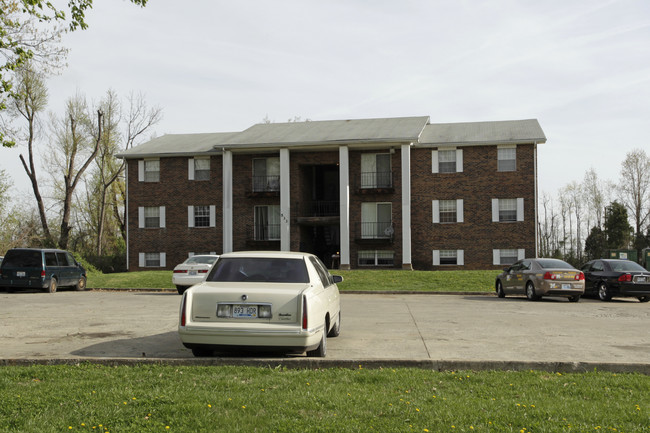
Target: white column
285,204
227,202
344,200
406,207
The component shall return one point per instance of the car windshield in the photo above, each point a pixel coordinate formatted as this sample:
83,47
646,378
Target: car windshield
626,266
259,269
23,259
200,260
553,264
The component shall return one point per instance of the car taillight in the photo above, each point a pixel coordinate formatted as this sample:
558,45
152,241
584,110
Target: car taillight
183,317
626,278
580,276
203,271
304,312
180,271
42,274
550,276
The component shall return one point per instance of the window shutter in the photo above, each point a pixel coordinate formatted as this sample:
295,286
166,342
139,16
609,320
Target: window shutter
163,260
213,216
190,216
436,211
495,212
436,257
520,209
190,168
459,211
141,170
460,257
162,217
140,217
496,257
141,261
434,161
521,254
459,160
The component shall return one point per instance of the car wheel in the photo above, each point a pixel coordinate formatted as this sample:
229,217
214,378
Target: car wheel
81,284
52,287
575,298
603,292
321,350
643,298
201,352
530,291
336,329
500,292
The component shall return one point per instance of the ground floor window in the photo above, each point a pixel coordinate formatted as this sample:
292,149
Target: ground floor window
152,260
376,258
507,256
448,257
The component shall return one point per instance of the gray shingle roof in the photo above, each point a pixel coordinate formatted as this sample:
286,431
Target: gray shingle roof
387,130
178,144
472,133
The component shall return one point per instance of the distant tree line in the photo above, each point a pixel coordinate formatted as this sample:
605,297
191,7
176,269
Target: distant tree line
590,217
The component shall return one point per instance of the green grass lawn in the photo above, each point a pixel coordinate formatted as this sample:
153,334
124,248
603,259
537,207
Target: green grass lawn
154,398
355,280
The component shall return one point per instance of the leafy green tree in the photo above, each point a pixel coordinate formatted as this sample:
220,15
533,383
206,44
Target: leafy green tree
617,227
595,244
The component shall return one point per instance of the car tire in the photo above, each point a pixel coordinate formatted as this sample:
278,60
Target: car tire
81,284
51,288
643,298
321,350
201,352
336,329
604,294
530,292
181,289
499,289
575,298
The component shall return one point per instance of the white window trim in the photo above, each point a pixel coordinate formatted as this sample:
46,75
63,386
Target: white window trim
435,204
435,166
190,168
141,171
506,146
460,258
495,210
142,261
496,255
213,217
161,217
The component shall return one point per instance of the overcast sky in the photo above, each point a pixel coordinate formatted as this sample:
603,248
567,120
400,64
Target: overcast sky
581,67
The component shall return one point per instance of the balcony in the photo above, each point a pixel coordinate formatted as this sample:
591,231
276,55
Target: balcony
376,182
265,186
319,212
374,233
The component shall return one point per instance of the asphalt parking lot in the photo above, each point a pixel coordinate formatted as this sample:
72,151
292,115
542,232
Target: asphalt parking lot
471,330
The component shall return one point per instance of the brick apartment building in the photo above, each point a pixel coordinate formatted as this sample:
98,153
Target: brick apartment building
393,192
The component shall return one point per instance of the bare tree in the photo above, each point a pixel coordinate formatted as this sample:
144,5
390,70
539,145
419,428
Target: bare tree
634,188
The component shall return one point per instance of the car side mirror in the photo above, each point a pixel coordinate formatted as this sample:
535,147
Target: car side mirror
337,279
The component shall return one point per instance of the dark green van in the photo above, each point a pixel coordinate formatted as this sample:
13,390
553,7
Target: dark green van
39,268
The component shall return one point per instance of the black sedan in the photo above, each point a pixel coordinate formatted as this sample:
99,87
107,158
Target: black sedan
610,278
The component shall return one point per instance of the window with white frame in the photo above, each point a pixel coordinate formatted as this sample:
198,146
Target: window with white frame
375,170
447,161
507,209
151,170
151,217
507,158
507,256
201,216
376,258
266,174
447,211
376,220
267,223
448,257
152,260
199,168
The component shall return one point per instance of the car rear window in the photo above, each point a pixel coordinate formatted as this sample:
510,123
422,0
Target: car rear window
205,260
626,266
259,269
553,264
23,259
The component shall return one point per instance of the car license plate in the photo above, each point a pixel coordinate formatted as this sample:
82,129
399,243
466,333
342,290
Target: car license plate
20,273
566,286
192,272
641,279
244,311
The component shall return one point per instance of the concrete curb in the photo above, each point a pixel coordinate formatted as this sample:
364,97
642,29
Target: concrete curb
316,363
343,292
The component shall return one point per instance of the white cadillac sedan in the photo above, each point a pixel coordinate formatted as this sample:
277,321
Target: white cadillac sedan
192,271
268,300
